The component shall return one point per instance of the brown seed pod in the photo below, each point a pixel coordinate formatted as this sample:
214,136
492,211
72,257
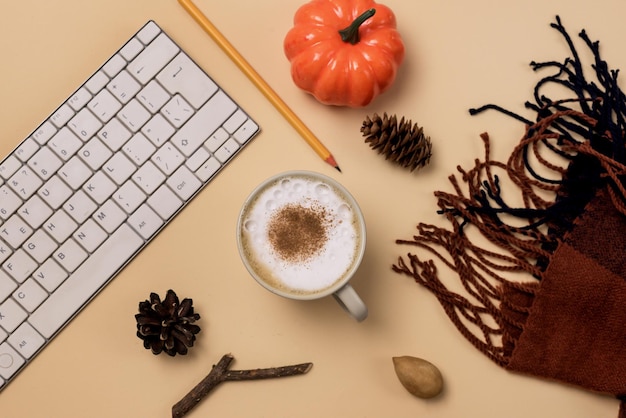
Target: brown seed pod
420,377
167,325
401,142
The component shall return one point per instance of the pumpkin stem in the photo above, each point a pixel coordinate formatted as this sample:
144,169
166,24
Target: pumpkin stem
351,33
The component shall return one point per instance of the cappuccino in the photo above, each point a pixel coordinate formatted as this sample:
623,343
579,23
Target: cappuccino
301,235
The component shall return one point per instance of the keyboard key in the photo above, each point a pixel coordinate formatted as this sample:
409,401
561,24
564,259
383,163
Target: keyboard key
195,161
94,153
20,265
69,255
139,149
15,231
75,172
129,196
11,315
114,65
80,206
44,132
246,131
158,130
119,168
44,163
177,111
60,226
25,182
26,149
9,166
104,105
109,216
7,286
184,183
131,49
114,134
29,295
55,192
9,202
153,58
164,202
235,121
99,187
62,115
203,123
216,140
168,159
81,286
124,87
26,341
145,221
79,99
89,235
5,252
208,169
64,143
148,177
148,32
97,82
183,76
10,361
134,115
35,211
50,275
85,124
153,96
40,246
227,150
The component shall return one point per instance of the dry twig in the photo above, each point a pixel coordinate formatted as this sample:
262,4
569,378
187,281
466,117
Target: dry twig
221,373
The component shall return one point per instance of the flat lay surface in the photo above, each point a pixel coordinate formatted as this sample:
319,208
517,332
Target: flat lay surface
458,56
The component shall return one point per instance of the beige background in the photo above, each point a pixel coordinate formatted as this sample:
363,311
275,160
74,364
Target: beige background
460,54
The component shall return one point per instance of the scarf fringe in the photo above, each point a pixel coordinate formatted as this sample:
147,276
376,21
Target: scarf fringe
560,163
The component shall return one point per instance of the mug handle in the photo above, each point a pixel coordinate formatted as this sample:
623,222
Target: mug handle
349,300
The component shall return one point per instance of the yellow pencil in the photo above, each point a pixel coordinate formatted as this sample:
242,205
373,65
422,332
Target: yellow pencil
258,81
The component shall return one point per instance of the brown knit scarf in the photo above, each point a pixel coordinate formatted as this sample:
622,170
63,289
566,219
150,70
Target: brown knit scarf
564,317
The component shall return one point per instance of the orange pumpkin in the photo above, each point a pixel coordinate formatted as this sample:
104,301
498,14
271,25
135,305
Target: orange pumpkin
344,52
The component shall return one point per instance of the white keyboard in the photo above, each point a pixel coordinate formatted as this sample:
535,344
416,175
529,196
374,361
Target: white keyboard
99,178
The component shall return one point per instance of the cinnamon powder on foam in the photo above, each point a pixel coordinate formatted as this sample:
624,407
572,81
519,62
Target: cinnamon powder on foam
297,233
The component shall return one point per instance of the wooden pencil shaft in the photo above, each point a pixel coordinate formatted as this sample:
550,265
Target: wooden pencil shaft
256,79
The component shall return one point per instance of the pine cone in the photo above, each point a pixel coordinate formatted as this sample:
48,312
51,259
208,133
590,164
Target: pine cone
401,143
168,325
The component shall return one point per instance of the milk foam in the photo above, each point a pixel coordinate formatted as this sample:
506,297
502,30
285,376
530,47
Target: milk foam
327,266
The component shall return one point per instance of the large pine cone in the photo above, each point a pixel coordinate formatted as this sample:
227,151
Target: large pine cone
402,143
167,326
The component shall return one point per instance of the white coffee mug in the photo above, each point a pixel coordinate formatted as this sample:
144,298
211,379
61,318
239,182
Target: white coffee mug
301,235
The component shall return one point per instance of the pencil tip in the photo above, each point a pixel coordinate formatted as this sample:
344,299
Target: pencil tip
331,160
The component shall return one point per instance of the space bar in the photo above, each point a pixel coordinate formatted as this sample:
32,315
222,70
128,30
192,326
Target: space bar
85,281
